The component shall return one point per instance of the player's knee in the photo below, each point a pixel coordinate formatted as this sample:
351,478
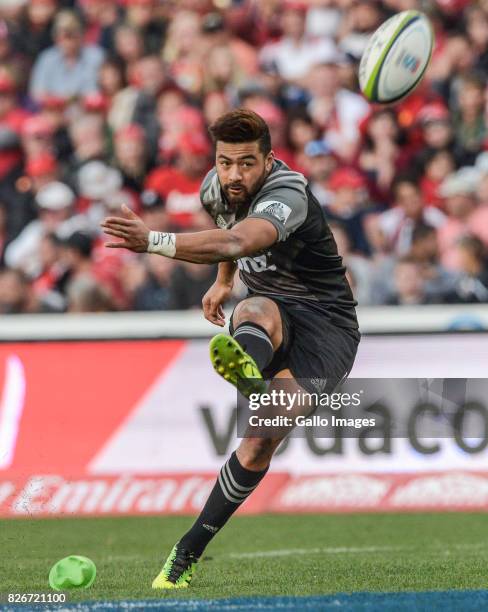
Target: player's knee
256,453
256,310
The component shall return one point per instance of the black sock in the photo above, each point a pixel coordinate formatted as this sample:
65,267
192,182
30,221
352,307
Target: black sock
255,340
234,484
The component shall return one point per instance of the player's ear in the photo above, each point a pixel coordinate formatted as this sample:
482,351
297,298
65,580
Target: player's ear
268,162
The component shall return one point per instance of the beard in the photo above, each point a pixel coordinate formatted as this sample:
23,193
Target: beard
239,196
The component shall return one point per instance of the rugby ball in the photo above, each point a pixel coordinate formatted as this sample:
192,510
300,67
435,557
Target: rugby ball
396,57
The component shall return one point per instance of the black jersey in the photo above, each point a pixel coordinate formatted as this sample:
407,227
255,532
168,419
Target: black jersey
303,264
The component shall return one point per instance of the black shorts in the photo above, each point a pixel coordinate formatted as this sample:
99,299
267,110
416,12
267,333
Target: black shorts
317,352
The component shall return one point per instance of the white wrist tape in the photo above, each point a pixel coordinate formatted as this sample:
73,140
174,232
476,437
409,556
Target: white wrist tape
162,243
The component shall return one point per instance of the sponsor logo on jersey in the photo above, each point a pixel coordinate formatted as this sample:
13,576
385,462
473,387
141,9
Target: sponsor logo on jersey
275,209
256,264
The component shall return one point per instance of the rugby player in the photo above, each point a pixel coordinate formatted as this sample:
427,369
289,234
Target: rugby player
298,320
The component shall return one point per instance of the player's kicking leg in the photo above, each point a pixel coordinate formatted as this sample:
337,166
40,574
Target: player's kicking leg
248,464
257,335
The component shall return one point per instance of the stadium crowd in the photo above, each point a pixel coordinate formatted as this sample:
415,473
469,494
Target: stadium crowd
106,102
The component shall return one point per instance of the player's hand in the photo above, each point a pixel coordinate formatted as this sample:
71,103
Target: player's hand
130,228
212,303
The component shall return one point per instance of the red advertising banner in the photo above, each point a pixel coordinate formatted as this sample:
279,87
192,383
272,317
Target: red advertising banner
54,495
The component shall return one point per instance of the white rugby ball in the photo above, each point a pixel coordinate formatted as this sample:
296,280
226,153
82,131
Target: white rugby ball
396,57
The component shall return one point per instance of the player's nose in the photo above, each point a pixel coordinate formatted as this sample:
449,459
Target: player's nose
234,174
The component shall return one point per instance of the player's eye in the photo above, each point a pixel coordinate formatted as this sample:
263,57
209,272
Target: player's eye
247,164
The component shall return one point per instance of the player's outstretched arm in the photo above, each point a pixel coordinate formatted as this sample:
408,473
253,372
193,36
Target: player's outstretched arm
247,237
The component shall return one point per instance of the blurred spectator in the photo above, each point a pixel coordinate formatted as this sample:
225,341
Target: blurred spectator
89,143
19,190
295,53
12,58
85,294
391,231
320,163
55,203
324,19
12,119
34,33
436,132
37,136
478,222
99,186
425,252
70,67
142,15
459,191
41,170
131,156
50,282
438,166
121,99
76,254
95,104
477,29
94,275
16,296
179,186
214,105
182,51
336,110
223,73
3,230
300,131
349,207
174,117
453,57
153,291
409,286
150,79
133,274
360,269
13,11
54,109
99,16
381,153
189,283
215,34
150,76
128,44
473,262
363,19
470,121
153,211
101,191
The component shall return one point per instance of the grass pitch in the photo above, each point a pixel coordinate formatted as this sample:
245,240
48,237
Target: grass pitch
265,555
